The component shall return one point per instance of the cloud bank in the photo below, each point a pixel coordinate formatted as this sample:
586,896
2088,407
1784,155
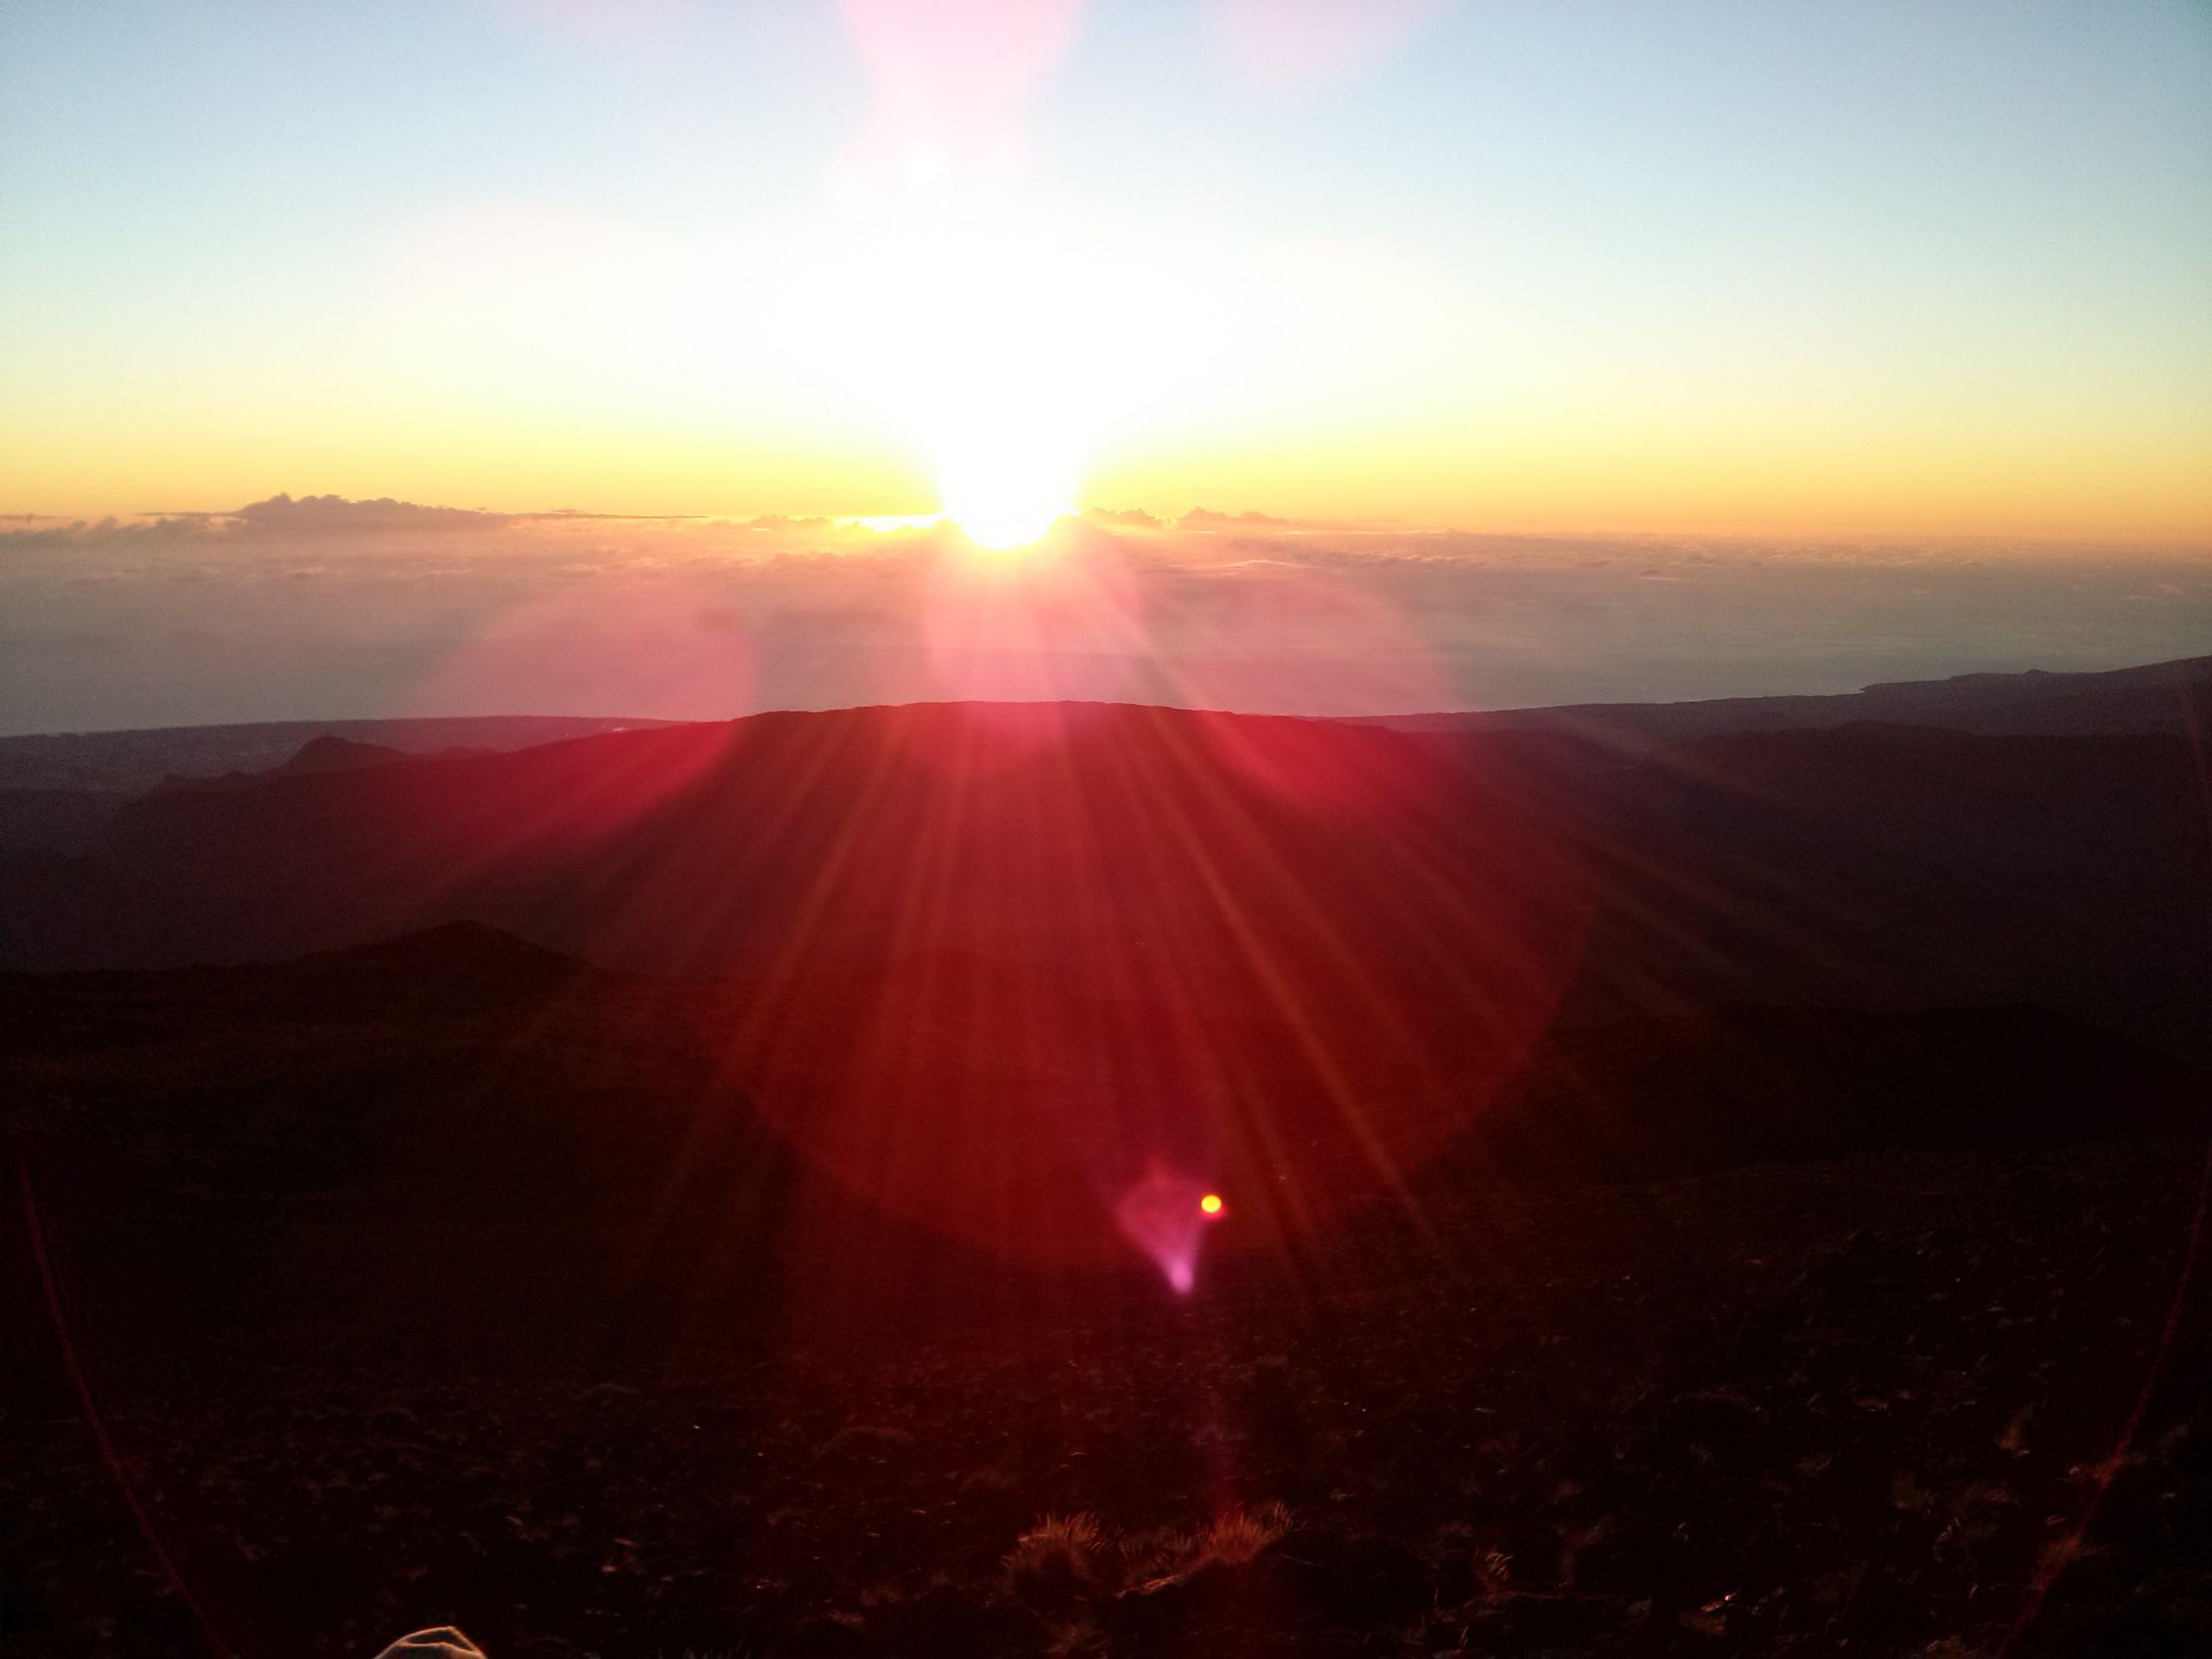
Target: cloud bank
321,608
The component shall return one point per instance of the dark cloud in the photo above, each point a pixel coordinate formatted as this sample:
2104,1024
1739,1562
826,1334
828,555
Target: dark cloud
316,517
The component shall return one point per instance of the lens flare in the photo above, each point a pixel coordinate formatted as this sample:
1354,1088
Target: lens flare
1164,1215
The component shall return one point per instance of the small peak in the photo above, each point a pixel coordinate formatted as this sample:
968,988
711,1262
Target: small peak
330,753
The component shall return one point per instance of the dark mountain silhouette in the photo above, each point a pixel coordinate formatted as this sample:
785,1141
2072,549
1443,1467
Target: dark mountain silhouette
456,1140
130,762
1650,1099
1715,1196
1365,878
318,754
330,753
2172,697
813,841
56,820
1722,1192
463,1073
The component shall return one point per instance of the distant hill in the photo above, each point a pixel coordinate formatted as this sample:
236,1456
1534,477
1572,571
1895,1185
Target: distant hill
129,762
330,753
2172,697
53,820
1416,899
318,754
1158,910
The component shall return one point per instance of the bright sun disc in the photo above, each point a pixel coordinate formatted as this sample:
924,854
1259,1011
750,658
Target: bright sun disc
1002,523
1003,500
1003,453
1211,1204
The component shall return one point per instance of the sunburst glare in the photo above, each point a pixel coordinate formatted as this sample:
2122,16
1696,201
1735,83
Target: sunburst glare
1003,491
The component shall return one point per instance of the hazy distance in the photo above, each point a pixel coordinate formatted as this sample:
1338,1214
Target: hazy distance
326,609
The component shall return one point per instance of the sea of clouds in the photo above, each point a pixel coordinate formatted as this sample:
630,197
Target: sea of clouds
326,609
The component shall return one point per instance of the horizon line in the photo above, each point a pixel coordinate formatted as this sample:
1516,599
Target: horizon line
663,722
1141,519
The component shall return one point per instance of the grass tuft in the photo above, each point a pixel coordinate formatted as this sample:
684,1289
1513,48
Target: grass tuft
1058,1550
1239,1535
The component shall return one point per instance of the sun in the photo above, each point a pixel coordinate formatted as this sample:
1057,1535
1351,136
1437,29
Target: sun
1003,521
1004,487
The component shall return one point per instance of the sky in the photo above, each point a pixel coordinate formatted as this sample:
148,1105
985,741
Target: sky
1772,270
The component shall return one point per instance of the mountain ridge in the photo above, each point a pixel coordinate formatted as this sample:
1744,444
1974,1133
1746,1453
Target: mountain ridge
2174,697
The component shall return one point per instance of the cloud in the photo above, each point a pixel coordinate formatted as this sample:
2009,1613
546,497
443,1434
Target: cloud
310,516
316,517
1125,517
328,514
323,607
1206,519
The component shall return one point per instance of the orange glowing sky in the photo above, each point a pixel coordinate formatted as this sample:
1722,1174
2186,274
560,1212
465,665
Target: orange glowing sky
1809,267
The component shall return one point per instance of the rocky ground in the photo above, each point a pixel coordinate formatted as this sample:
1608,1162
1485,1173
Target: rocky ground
1928,1402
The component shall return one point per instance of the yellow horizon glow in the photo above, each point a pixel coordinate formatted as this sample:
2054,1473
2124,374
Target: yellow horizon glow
985,423
2130,489
973,261
1041,370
